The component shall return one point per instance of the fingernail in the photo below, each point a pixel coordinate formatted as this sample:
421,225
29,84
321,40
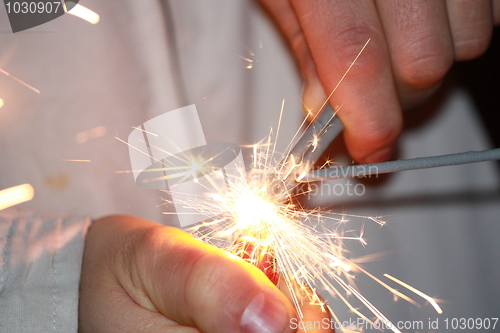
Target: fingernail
380,155
264,314
313,95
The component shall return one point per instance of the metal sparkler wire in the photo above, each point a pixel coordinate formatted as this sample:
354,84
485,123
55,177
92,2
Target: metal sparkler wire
364,170
310,146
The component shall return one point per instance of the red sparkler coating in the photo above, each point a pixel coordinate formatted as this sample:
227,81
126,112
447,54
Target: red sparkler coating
260,256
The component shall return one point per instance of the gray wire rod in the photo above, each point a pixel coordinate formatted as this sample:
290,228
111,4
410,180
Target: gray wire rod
326,127
364,170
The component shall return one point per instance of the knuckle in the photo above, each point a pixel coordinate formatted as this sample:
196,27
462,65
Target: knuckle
154,251
140,252
212,280
143,242
472,47
382,134
349,41
135,259
204,272
425,67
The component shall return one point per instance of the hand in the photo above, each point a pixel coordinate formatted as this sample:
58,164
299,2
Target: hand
139,276
413,45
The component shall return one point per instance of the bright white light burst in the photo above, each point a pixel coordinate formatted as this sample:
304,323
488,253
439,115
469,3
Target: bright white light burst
264,221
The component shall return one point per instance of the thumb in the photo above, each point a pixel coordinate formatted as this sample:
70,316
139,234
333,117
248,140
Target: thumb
198,285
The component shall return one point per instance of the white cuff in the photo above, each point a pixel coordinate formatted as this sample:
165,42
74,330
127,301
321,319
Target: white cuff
40,265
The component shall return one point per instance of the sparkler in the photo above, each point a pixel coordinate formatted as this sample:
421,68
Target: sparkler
364,170
264,226
254,216
307,149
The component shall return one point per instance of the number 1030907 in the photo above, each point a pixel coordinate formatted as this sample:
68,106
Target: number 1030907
471,323
32,7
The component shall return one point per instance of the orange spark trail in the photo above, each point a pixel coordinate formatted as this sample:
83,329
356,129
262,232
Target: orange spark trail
19,80
418,292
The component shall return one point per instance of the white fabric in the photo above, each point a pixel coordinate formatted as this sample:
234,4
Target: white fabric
443,223
116,74
40,263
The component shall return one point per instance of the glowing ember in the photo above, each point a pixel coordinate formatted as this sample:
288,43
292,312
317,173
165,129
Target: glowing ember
84,13
15,195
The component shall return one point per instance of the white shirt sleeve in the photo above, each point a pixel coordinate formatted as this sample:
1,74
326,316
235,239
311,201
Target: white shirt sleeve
40,265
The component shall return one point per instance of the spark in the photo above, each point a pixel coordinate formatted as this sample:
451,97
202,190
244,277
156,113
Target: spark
1,103
255,147
418,292
246,59
67,160
294,165
19,80
93,133
279,126
82,12
141,129
15,195
315,143
137,149
345,74
249,51
302,175
308,247
250,61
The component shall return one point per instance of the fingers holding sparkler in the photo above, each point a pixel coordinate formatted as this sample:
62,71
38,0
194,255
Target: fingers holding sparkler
173,283
314,316
412,46
335,32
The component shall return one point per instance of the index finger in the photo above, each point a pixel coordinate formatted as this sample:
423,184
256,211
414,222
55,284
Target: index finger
336,32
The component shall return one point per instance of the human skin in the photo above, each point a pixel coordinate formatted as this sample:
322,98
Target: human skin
140,276
413,44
